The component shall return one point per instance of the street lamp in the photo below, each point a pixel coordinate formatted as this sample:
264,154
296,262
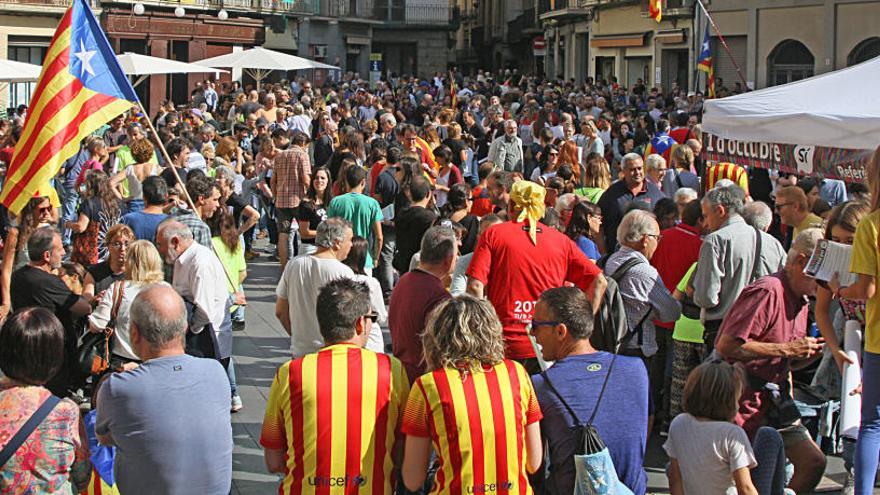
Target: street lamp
222,15
138,9
179,12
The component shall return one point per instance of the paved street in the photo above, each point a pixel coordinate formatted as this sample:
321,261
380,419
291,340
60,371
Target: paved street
263,345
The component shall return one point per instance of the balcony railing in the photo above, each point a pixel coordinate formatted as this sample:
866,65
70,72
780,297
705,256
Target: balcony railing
364,9
289,6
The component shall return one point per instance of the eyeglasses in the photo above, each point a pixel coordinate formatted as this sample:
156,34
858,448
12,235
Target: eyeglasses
372,316
119,245
44,209
539,323
655,236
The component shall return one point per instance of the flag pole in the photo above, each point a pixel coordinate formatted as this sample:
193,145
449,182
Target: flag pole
724,44
189,201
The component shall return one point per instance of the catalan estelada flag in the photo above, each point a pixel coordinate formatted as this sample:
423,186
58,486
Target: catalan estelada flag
81,87
655,10
704,63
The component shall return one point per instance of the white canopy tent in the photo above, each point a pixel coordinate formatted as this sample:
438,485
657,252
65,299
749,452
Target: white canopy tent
837,109
142,66
16,72
259,62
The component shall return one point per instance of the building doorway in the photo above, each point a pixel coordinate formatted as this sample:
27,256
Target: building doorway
638,68
790,61
179,83
675,68
604,68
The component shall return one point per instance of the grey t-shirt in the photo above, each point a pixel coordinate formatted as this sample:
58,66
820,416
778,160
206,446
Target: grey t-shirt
708,452
169,419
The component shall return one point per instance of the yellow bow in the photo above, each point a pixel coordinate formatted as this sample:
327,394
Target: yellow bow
529,197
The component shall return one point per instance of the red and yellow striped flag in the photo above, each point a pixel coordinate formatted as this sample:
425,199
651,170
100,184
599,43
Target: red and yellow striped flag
655,9
81,87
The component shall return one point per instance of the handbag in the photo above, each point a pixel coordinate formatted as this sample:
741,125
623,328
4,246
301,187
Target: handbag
93,355
27,428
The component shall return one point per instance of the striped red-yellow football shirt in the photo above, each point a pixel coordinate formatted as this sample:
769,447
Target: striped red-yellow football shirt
730,171
477,425
337,414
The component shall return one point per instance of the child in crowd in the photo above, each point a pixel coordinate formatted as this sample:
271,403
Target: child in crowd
708,453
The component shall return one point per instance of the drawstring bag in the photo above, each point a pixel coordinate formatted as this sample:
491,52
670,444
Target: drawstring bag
594,469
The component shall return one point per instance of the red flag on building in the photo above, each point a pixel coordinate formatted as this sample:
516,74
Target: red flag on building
655,9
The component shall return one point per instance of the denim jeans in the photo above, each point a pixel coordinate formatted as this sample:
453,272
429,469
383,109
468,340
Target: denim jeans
385,271
868,444
769,475
69,202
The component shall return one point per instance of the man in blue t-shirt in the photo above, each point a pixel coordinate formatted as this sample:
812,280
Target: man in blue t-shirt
145,222
169,417
562,325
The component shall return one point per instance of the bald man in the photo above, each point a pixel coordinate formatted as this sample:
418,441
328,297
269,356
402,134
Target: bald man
169,417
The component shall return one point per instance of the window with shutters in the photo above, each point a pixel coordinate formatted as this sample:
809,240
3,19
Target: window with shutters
725,68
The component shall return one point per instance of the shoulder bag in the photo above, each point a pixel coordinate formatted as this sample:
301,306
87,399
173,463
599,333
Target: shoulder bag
27,428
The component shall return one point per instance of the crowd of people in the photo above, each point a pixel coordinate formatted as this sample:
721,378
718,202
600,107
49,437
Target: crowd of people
549,258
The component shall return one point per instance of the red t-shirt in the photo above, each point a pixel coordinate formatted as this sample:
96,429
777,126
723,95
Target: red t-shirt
678,249
681,134
515,272
412,299
482,202
375,170
767,311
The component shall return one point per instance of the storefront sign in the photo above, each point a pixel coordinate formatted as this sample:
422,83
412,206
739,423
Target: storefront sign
832,163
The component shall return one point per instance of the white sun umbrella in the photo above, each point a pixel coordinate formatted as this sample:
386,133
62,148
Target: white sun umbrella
16,72
142,66
259,62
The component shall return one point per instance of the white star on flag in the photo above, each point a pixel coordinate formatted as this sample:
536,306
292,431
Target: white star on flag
85,58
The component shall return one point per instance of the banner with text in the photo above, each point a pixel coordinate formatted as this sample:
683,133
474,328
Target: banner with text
832,163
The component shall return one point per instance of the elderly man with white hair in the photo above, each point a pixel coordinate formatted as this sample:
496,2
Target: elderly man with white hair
506,151
683,196
299,121
766,333
655,169
733,255
758,214
644,294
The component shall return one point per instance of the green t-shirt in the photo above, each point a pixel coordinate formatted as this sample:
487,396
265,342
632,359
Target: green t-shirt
687,329
233,262
362,211
125,158
591,193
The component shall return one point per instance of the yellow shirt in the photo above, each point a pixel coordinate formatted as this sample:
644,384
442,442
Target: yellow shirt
809,222
865,262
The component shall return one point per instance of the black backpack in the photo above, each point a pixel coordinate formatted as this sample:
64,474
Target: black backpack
610,326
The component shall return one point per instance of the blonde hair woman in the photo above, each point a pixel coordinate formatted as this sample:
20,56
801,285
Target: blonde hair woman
470,379
143,267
